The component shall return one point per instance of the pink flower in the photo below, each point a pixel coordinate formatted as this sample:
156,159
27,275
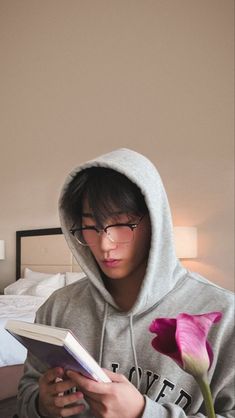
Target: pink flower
184,339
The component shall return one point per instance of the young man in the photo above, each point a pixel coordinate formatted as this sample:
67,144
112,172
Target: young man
116,219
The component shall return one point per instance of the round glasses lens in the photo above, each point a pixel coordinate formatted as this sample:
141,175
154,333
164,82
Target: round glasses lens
89,237
120,233
79,235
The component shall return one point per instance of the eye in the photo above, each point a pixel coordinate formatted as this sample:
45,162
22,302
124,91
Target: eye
90,228
88,224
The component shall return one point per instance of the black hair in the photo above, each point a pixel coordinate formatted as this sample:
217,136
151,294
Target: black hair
106,191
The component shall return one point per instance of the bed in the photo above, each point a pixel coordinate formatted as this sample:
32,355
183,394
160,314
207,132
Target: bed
44,263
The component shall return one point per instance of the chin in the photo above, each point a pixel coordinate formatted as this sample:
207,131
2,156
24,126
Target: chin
113,275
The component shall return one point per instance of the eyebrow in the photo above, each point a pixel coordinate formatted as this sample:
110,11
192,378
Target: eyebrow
87,215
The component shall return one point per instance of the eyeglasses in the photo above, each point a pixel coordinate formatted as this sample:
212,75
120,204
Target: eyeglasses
120,233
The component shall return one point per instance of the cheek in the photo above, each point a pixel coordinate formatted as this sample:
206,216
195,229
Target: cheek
141,250
94,252
143,240
138,250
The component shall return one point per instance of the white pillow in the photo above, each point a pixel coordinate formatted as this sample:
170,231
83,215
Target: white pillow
37,275
73,277
45,287
35,287
18,287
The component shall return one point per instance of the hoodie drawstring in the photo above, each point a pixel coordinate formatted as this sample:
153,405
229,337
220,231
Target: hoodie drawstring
103,333
132,342
134,351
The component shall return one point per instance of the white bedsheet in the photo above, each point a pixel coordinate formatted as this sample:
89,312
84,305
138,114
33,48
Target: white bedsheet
21,307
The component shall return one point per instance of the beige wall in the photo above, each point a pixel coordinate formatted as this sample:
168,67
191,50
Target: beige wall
79,78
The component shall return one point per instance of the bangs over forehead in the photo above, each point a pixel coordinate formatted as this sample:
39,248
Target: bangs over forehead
107,192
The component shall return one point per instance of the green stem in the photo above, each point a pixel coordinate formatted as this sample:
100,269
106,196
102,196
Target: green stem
206,392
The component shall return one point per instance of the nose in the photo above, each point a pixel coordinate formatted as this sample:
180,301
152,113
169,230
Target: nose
105,242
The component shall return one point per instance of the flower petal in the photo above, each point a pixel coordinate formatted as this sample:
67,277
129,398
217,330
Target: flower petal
184,339
191,339
165,341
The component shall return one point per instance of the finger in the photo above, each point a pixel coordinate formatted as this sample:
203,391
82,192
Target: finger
88,385
61,387
115,377
52,374
62,401
72,410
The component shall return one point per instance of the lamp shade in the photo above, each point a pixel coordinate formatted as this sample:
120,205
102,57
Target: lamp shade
185,241
2,249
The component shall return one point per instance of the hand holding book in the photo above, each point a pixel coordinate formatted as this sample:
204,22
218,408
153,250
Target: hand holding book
56,347
57,395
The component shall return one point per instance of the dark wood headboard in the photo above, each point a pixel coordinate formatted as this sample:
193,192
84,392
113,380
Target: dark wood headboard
30,233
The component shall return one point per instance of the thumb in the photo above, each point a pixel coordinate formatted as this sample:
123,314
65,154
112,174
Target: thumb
115,377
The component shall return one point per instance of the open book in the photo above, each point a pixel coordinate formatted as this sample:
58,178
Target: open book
56,347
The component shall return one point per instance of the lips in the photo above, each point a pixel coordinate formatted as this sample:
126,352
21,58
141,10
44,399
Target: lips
111,262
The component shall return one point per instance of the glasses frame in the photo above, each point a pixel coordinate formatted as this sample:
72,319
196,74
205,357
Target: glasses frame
131,225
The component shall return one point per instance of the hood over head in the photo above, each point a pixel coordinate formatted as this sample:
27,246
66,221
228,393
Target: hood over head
164,269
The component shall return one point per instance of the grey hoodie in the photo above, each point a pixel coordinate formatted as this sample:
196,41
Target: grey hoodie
120,341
